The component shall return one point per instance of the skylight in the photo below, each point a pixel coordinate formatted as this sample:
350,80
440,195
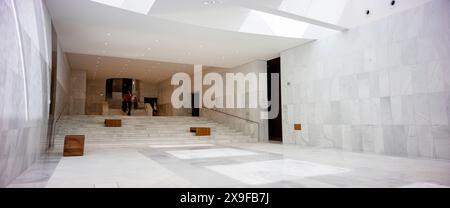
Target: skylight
272,25
138,6
310,19
323,10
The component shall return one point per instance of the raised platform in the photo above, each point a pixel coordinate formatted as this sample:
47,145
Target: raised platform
145,130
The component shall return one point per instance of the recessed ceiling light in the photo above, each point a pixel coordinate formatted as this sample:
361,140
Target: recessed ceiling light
106,43
157,41
149,48
393,3
108,34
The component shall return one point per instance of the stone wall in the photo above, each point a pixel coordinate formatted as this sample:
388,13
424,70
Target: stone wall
25,63
246,120
95,96
380,88
78,92
62,106
165,107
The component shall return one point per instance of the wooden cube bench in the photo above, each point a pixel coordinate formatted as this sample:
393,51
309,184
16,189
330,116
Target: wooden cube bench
201,131
113,123
74,145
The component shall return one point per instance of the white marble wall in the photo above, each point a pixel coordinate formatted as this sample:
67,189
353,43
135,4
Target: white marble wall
148,90
95,96
165,108
25,53
380,88
246,120
78,92
62,106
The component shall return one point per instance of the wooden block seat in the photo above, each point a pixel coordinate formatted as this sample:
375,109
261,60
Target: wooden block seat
113,123
74,145
201,131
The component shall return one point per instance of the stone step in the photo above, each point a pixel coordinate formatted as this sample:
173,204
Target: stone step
140,130
162,141
145,130
109,137
144,133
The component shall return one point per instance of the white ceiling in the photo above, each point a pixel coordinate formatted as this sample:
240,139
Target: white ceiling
225,34
104,67
83,27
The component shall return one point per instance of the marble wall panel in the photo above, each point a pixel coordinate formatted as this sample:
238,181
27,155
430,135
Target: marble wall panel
78,92
441,138
386,84
240,118
25,63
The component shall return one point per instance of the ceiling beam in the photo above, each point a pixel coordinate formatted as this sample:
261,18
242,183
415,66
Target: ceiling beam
289,15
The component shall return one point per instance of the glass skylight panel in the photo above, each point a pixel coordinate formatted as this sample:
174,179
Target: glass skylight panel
268,24
323,10
138,6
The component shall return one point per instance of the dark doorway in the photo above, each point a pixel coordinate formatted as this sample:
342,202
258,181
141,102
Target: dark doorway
275,125
53,84
127,86
109,89
195,111
153,102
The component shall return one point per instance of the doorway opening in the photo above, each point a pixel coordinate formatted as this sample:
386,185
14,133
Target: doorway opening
53,84
153,101
195,111
275,125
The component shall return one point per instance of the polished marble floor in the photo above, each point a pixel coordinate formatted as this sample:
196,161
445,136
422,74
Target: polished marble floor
233,165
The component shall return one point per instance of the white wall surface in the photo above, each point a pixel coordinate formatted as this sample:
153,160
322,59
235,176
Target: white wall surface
25,58
380,88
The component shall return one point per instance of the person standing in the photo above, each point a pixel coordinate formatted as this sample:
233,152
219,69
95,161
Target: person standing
127,98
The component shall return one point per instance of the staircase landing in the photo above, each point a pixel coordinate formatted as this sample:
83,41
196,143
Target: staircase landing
139,130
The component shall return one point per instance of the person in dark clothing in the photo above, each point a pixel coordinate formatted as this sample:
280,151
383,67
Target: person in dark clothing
127,98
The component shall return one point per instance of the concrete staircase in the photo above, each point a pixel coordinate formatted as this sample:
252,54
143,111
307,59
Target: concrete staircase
142,130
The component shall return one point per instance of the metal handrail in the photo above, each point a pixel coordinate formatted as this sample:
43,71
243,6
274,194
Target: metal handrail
245,119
